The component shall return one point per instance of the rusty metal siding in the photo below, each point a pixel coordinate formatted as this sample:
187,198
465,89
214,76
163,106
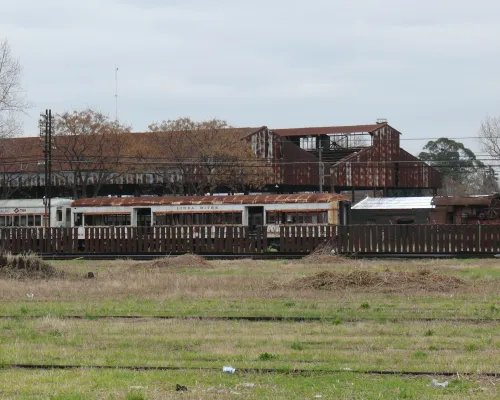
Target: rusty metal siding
384,164
298,166
210,200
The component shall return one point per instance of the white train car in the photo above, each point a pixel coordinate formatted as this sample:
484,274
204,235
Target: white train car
255,211
33,213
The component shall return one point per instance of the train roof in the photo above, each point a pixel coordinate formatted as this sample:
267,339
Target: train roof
196,200
394,203
33,203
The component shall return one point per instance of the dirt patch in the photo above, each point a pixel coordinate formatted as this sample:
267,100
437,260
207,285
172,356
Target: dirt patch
185,260
425,280
26,266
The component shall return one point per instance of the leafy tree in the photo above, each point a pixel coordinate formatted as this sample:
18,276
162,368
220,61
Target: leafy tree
463,172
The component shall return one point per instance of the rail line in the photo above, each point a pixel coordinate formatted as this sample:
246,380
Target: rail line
255,256
295,371
264,318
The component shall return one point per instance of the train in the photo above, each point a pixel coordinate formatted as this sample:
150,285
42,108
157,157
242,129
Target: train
256,212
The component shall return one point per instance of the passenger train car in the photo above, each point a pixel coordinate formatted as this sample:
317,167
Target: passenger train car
255,211
34,213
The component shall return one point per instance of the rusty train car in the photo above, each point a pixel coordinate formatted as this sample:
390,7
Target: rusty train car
256,212
480,209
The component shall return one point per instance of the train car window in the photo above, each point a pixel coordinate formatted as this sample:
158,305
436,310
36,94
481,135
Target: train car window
16,220
160,219
78,219
89,220
2,221
59,215
116,219
68,215
38,220
271,218
31,220
23,220
218,219
238,220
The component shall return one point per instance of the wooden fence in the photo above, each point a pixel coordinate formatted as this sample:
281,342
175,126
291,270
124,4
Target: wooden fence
381,239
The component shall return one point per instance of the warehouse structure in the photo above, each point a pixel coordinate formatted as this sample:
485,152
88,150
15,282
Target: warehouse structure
334,159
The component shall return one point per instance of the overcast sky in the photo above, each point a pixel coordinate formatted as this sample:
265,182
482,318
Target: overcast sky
430,67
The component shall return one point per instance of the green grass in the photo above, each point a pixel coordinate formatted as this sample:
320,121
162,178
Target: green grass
286,345
379,308
358,330
115,384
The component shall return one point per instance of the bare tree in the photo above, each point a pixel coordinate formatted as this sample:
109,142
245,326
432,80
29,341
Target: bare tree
489,136
17,172
89,150
12,96
200,157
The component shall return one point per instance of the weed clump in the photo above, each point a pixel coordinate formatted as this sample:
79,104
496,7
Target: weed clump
26,266
387,280
267,356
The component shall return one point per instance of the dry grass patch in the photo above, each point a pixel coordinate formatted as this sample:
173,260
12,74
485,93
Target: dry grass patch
183,261
323,254
53,325
26,266
388,280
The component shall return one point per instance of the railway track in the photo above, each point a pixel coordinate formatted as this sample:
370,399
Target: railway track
255,256
284,370
267,318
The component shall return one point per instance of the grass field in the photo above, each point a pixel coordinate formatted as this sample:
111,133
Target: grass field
417,319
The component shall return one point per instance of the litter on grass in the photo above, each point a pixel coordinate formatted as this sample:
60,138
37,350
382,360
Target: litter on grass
180,388
435,383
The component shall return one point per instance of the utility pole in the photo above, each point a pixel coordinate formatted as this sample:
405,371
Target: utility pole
321,169
45,124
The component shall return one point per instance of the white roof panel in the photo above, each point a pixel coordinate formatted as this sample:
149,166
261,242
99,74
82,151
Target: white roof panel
33,203
394,203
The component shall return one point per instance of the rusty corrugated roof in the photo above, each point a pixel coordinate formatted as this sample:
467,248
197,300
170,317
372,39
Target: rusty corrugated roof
464,200
197,200
326,130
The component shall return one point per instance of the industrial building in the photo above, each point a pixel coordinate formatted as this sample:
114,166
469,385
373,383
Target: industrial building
328,159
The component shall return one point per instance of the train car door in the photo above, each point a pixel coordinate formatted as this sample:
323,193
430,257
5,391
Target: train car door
143,216
255,218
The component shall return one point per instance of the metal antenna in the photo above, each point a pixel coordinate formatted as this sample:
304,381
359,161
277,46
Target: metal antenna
116,93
